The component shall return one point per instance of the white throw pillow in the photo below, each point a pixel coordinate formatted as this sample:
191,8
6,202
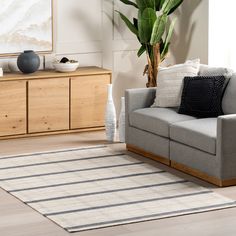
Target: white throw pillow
170,81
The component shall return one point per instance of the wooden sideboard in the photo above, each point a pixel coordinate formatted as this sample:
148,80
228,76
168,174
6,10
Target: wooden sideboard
49,102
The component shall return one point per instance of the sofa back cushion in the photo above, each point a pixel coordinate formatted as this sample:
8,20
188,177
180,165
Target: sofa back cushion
206,70
229,99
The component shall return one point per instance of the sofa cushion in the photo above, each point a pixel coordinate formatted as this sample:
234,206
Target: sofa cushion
199,133
206,70
229,98
202,96
156,120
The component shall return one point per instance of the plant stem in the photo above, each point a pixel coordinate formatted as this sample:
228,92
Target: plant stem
153,65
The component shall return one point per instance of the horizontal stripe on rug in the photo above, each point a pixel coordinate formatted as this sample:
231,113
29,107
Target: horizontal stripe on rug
52,152
148,217
87,181
69,171
84,176
57,162
107,191
127,203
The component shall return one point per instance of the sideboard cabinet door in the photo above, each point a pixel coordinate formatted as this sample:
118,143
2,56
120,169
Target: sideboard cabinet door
48,105
88,100
12,108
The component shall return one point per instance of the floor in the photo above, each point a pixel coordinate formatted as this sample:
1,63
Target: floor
16,218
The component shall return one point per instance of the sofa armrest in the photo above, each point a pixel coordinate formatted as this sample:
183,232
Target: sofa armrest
139,98
226,145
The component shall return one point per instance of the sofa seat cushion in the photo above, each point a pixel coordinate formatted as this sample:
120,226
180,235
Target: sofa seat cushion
199,133
156,120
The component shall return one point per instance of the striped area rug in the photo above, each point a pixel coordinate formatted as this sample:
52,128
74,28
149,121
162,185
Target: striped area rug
95,187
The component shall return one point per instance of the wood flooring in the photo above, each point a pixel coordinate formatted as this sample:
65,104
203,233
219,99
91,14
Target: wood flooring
18,219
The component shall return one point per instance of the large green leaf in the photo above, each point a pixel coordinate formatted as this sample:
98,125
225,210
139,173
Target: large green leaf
127,2
146,22
161,4
143,4
176,6
169,34
128,23
164,52
170,5
141,50
158,29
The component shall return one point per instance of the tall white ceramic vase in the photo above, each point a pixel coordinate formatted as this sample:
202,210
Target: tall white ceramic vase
121,125
110,116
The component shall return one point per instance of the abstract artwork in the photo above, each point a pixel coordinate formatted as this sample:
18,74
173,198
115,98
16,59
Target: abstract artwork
25,25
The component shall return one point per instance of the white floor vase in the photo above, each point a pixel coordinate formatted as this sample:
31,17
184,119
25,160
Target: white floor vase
121,124
110,116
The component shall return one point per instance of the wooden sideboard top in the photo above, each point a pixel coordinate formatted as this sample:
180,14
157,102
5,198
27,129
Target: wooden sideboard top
81,71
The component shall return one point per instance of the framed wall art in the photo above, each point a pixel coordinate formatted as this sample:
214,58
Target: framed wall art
26,25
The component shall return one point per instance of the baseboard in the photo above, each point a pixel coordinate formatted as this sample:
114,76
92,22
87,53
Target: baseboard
150,155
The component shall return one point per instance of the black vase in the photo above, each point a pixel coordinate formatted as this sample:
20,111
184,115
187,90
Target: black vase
28,62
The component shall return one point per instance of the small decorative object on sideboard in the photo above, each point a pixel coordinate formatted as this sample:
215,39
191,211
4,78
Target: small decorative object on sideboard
121,125
65,65
28,62
1,72
110,116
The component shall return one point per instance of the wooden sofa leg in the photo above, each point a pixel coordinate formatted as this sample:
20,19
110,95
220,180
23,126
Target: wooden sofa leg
203,176
181,167
141,152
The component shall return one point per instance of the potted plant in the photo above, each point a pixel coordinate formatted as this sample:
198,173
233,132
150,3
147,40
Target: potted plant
153,31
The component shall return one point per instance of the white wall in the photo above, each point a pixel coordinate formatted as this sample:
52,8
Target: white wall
222,35
92,32
96,35
191,32
78,30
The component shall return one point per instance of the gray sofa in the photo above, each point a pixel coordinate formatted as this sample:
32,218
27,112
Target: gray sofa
205,148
